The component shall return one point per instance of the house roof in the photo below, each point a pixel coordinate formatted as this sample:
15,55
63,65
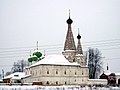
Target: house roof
55,60
16,75
1,80
108,72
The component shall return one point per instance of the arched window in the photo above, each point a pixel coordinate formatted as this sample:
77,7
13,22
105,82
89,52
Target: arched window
75,73
47,82
64,72
40,72
82,72
75,80
73,60
65,83
82,80
56,82
56,72
47,72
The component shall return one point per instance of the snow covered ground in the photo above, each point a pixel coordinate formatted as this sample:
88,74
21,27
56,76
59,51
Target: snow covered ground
55,88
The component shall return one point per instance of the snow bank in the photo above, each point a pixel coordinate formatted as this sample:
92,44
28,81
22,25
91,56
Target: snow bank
56,88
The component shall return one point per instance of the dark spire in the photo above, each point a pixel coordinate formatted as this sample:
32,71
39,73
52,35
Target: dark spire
78,37
79,47
69,21
107,67
69,42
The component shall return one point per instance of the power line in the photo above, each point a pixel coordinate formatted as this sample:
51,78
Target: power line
102,41
31,47
99,45
48,51
7,52
112,58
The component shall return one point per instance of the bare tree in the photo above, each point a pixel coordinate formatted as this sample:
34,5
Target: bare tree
18,66
7,73
93,56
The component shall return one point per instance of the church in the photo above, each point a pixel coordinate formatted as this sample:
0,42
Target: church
69,68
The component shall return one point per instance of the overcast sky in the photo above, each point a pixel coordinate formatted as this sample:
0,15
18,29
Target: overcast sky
24,22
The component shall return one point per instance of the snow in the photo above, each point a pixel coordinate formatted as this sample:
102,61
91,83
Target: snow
16,75
56,88
1,80
55,60
108,72
26,76
117,74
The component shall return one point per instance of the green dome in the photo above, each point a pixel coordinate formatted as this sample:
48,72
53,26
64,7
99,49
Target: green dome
38,54
34,58
30,59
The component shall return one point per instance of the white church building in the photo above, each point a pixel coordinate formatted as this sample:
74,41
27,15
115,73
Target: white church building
69,68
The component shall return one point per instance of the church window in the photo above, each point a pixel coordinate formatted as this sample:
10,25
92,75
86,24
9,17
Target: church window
47,72
56,72
47,82
75,73
73,60
82,72
75,80
36,73
82,80
65,72
56,82
65,83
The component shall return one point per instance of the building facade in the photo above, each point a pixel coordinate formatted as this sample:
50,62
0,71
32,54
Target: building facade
67,69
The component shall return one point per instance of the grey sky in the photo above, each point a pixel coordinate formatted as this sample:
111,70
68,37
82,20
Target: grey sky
24,22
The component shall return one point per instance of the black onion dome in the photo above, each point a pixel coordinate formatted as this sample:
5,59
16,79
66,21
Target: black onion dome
69,21
78,37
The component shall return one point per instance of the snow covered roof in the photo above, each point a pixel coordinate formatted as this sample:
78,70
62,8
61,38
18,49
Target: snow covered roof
108,72
55,60
1,80
16,75
117,74
27,76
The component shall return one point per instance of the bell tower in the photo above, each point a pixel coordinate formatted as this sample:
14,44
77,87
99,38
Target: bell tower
79,52
69,46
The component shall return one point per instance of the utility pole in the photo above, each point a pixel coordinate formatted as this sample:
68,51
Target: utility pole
3,74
